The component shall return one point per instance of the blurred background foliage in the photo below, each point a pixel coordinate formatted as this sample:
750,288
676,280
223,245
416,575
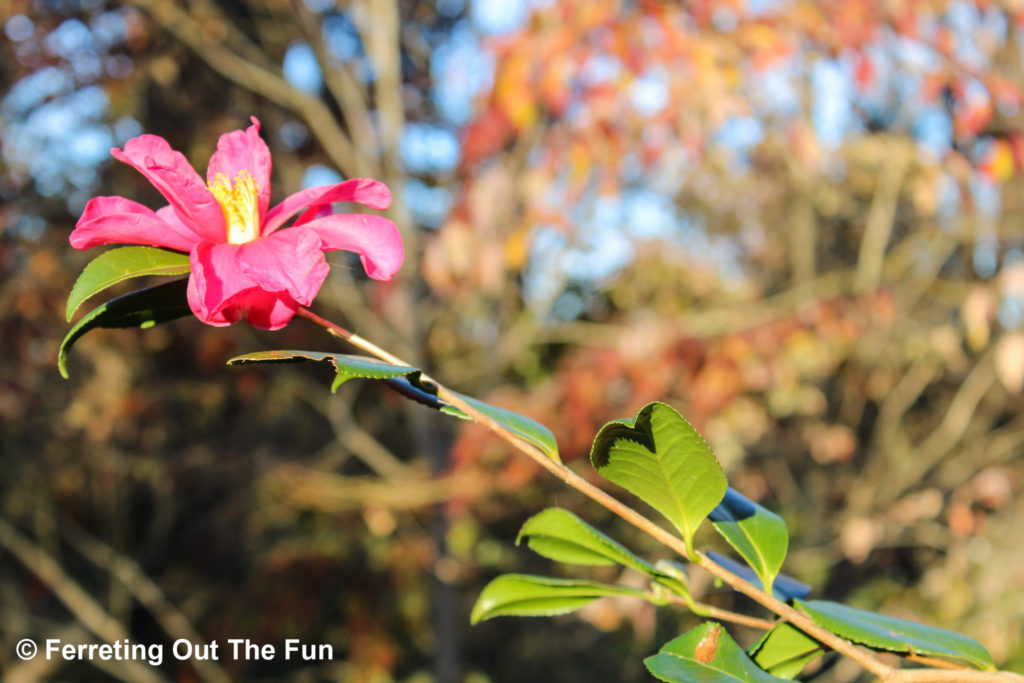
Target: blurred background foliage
794,221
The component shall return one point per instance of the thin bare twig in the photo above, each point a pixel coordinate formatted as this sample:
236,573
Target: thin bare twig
803,238
378,26
950,676
948,434
721,614
299,487
353,438
935,662
260,80
73,596
147,593
887,429
346,91
881,217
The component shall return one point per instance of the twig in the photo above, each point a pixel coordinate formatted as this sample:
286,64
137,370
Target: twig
731,316
935,662
236,39
881,217
948,434
948,676
345,89
378,26
999,445
148,594
262,81
798,619
886,431
330,493
72,595
803,238
41,668
721,614
352,437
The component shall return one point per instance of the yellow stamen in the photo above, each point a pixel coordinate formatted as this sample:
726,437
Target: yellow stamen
239,203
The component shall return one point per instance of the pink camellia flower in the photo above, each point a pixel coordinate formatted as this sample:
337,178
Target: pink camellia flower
245,263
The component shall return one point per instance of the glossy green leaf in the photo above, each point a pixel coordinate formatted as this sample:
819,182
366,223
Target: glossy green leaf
896,635
785,650
142,308
346,367
673,576
120,264
531,430
407,381
706,654
758,534
522,595
784,588
661,458
425,392
562,536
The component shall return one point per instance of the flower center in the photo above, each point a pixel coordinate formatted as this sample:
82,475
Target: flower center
238,200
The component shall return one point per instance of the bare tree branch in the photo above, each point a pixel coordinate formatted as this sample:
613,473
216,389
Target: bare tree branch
147,593
344,87
73,596
879,225
261,81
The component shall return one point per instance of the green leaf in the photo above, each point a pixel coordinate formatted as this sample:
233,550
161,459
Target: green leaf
896,635
531,430
425,392
407,381
674,577
785,650
120,264
706,654
560,535
522,595
784,588
661,458
758,534
141,308
346,367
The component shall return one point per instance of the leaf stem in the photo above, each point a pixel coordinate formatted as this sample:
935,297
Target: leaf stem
798,619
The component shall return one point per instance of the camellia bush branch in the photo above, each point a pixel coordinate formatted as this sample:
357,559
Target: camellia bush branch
247,261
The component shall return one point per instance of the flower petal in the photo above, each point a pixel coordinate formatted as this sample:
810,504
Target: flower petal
375,238
265,310
220,293
367,191
243,150
169,216
178,182
312,213
215,279
290,260
116,220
